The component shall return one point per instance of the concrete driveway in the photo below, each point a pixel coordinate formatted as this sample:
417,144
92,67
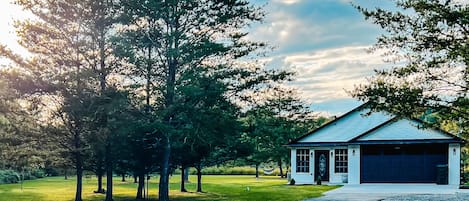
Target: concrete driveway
379,192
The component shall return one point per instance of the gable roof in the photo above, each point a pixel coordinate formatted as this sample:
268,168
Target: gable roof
404,129
362,126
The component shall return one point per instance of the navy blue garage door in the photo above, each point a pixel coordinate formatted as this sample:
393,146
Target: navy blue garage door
414,163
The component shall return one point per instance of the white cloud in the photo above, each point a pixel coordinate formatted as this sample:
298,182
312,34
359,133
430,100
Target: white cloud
327,74
294,28
287,1
283,29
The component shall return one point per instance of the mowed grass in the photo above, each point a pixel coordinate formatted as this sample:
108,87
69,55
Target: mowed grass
233,188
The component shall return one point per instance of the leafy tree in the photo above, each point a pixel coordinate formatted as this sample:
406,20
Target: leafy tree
71,60
181,54
273,122
59,67
115,109
24,143
7,105
101,19
135,46
427,40
136,151
96,162
201,102
177,36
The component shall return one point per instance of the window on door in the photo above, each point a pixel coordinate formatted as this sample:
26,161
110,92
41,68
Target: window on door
302,160
341,161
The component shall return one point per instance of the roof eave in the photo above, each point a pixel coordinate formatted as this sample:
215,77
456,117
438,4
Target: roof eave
317,144
423,141
377,142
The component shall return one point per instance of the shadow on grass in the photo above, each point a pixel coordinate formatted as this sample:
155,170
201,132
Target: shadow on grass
187,196
217,188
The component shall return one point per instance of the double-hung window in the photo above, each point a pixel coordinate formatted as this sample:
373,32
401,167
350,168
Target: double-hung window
302,160
341,161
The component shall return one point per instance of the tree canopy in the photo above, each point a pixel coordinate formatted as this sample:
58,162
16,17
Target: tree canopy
426,41
140,87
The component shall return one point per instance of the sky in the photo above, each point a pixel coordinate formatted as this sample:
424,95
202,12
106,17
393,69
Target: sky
325,42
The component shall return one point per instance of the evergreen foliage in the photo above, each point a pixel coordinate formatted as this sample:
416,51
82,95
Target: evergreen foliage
426,41
141,87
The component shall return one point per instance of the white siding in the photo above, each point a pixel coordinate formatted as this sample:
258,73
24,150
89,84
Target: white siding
354,164
293,161
336,178
308,178
454,158
353,175
302,177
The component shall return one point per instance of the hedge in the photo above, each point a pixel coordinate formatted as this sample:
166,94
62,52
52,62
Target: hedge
223,170
9,177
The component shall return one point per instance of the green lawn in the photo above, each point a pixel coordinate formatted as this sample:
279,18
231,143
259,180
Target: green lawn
233,188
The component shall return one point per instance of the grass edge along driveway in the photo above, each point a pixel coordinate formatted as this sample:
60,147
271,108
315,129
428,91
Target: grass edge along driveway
232,188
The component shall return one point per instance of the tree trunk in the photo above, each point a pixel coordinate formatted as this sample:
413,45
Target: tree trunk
172,62
102,82
183,176
66,173
100,181
79,181
257,170
108,172
280,167
123,177
199,178
147,191
163,193
135,178
99,175
102,57
141,185
148,78
78,165
186,174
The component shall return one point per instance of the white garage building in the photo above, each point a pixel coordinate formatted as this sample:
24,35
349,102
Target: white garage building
359,147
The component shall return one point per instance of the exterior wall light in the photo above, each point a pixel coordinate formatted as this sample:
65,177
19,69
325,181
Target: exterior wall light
353,152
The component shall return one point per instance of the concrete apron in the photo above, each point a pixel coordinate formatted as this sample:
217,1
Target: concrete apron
397,188
373,192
